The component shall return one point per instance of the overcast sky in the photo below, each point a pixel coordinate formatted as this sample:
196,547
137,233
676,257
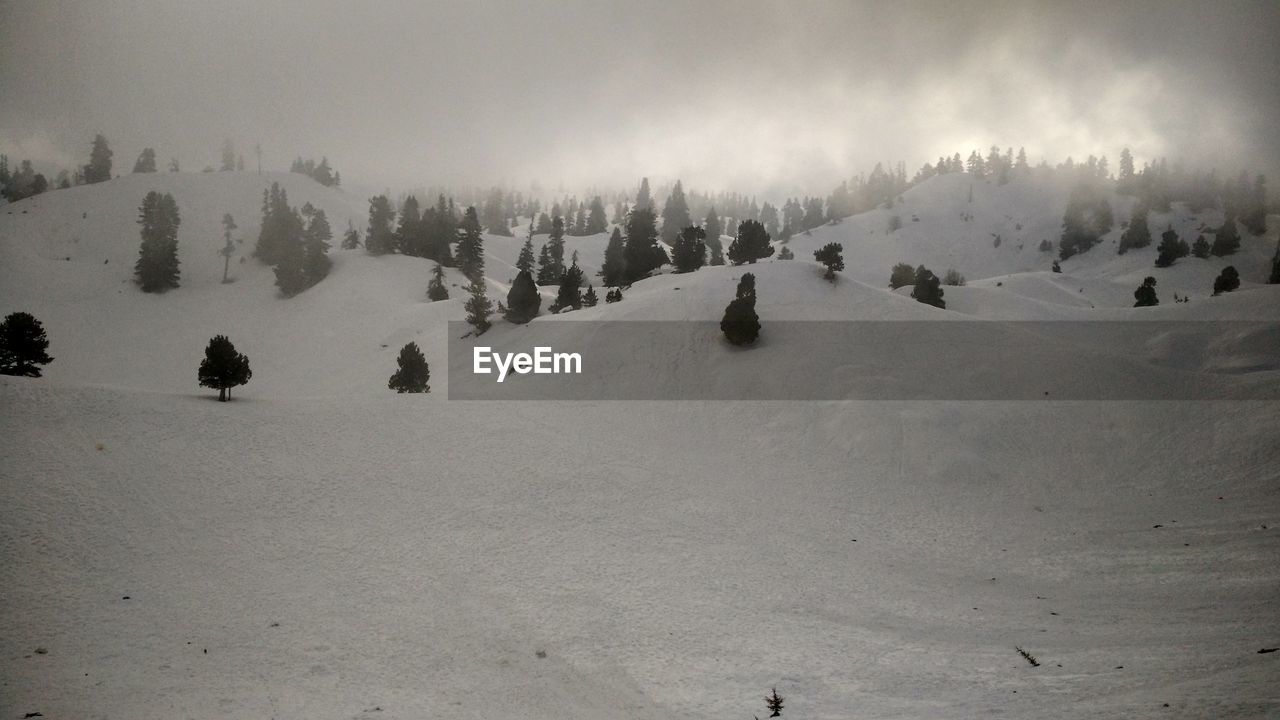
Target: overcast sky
753,96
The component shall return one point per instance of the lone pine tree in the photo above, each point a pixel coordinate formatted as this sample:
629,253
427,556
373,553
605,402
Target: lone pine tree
740,324
223,368
523,300
1171,248
568,296
642,254
1227,240
157,266
435,288
829,255
478,307
470,255
411,373
901,276
22,345
1146,293
1137,235
773,701
1200,248
614,270
99,167
589,298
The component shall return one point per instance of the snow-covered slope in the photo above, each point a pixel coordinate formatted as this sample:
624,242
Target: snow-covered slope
343,552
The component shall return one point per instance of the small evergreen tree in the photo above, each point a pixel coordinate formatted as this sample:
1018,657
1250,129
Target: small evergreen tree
1137,235
675,215
157,265
642,254
412,373
478,307
589,298
1146,293
740,324
1227,241
525,262
223,368
689,252
146,162
470,254
436,289
773,701
597,219
1226,281
568,296
928,288
750,244
829,255
523,299
351,239
614,270
99,167
22,345
902,276
1056,267
613,296
1200,248
714,230
380,239
786,254
315,247
953,278
228,247
1171,248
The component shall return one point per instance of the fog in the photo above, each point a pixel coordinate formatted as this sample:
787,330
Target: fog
753,96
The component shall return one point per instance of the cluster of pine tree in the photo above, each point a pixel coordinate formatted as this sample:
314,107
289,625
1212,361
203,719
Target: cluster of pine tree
320,172
550,256
294,242
635,252
21,183
1088,217
426,233
928,288
157,266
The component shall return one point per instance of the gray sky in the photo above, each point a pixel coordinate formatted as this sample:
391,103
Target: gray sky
764,97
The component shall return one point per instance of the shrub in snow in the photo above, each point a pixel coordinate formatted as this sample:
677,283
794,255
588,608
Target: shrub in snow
953,278
1056,267
613,296
740,324
22,345
928,288
829,255
411,373
523,300
223,368
901,276
1146,293
1226,281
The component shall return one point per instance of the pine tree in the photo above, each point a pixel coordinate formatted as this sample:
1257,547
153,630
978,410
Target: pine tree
928,288
901,276
478,307
1146,293
1137,235
223,368
1171,248
291,257
412,372
830,256
99,167
643,199
495,217
689,252
740,324
146,162
589,298
525,262
675,214
523,299
546,267
786,254
613,296
379,239
597,221
436,289
614,270
22,345
228,247
773,701
1226,281
157,266
409,231
750,244
471,245
1056,267
351,239
714,230
642,254
1200,248
315,246
555,250
568,296
1227,240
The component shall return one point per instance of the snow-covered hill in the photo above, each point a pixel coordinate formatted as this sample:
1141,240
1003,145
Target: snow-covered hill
344,552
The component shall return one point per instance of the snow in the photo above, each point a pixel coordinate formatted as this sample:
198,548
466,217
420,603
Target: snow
344,552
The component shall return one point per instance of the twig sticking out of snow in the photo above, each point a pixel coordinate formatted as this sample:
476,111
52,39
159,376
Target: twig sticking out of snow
1027,656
